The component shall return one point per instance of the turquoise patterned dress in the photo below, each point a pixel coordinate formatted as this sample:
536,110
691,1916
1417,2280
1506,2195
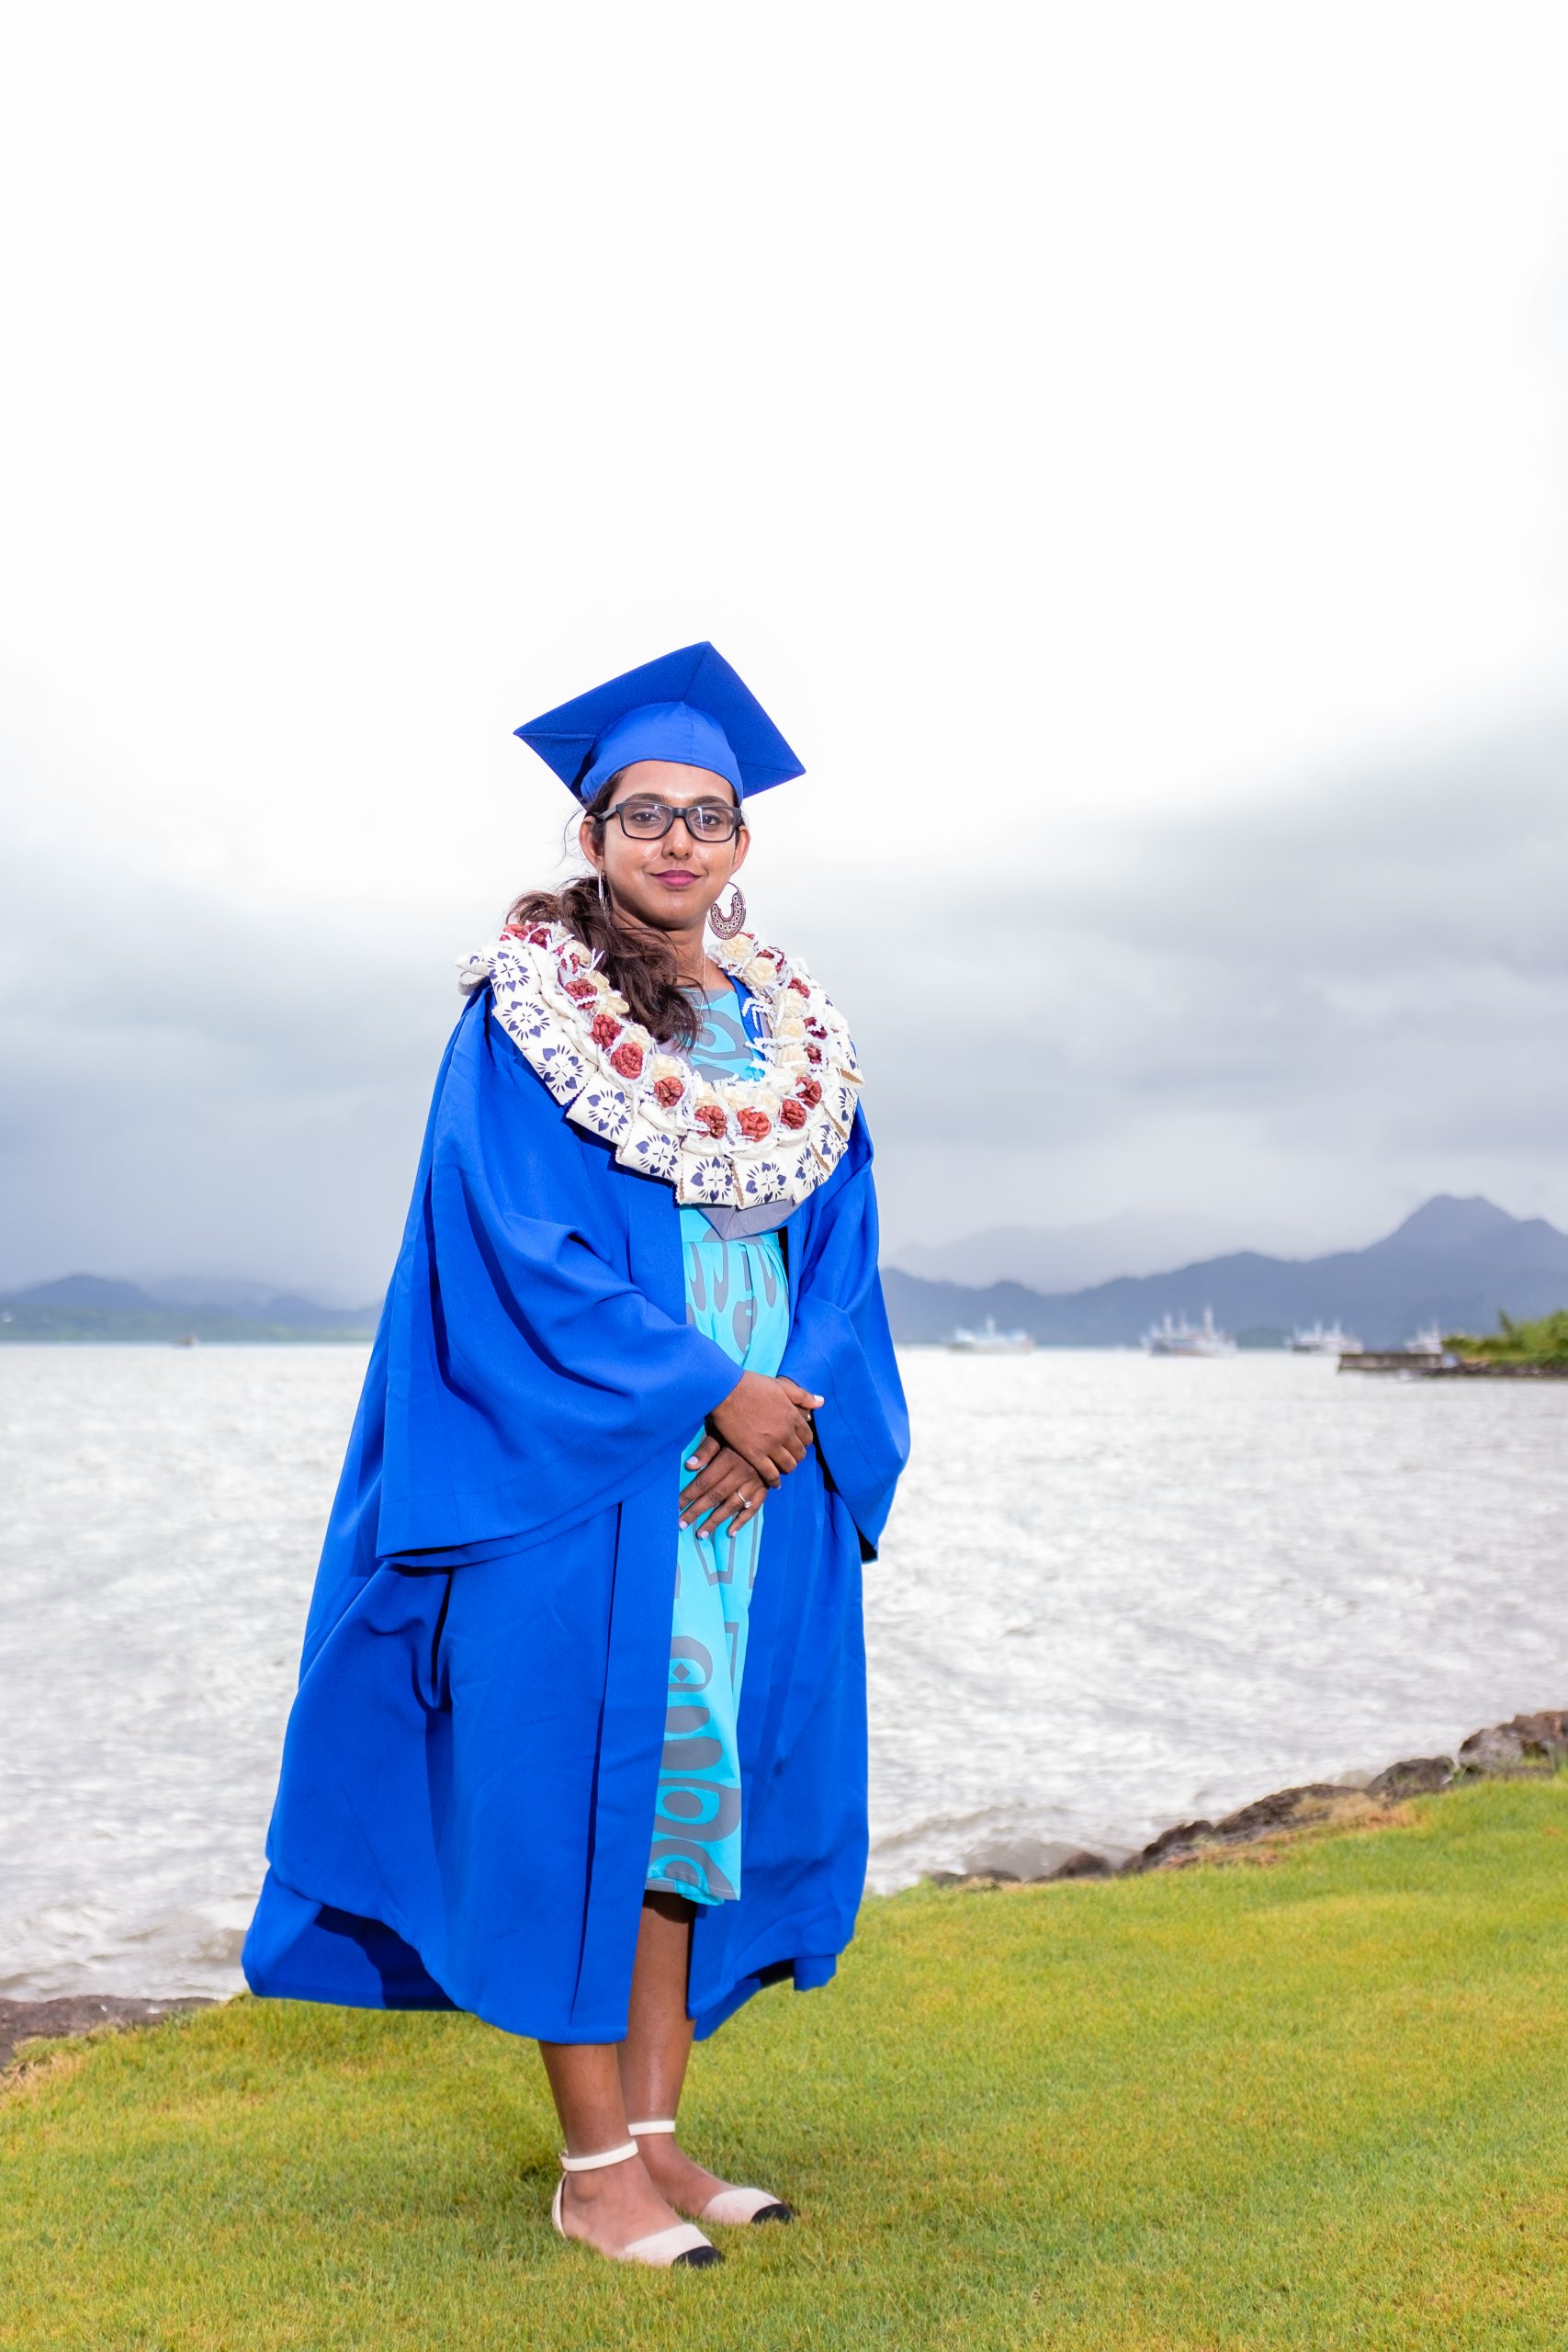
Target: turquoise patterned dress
738,1294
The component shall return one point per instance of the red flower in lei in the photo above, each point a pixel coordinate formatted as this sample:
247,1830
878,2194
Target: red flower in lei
667,1092
581,990
800,987
809,1090
627,1060
813,1052
792,1114
605,1031
710,1118
753,1125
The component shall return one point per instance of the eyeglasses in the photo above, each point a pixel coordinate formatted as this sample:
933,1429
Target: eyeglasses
649,820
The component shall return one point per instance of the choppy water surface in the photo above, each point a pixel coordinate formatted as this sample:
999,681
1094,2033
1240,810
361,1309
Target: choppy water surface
1115,1592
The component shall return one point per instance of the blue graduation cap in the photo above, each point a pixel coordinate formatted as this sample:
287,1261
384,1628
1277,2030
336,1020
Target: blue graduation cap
688,707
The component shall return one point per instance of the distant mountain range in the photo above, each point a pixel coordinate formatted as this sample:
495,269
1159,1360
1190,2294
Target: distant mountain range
88,1306
1070,1257
1454,1263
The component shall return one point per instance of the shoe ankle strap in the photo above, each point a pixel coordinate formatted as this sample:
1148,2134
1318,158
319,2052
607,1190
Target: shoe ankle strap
591,2164
660,2123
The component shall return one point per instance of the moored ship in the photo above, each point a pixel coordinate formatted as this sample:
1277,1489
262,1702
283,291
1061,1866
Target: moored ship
1184,1339
1428,1342
1316,1340
989,1341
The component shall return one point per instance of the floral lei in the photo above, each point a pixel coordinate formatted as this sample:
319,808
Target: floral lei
732,1142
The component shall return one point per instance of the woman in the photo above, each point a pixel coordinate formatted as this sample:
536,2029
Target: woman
578,1741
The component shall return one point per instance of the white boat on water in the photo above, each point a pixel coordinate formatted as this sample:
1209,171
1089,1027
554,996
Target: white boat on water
1184,1339
989,1341
1314,1340
1429,1342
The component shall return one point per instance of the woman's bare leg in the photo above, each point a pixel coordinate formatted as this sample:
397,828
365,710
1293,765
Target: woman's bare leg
658,2032
611,2207
597,2085
658,2044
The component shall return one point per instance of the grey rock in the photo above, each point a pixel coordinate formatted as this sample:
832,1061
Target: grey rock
1286,1808
1414,1776
1549,1729
1006,1859
1535,1743
1173,1845
1498,1750
1545,1734
1081,1864
83,2013
1045,1862
1281,1810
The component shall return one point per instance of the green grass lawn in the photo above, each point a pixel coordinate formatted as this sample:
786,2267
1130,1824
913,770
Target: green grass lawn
1321,2102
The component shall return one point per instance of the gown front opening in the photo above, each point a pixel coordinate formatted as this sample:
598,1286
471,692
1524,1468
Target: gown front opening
738,1294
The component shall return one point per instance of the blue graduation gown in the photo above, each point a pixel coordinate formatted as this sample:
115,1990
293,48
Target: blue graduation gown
469,1775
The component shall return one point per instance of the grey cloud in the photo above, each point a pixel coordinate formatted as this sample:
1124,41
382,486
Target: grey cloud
1384,951
1369,974
191,1079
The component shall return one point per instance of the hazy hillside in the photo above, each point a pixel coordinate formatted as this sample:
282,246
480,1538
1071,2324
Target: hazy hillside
1454,1263
89,1306
1070,1257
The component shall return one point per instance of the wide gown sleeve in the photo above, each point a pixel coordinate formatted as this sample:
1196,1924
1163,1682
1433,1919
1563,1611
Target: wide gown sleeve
840,1345
529,1380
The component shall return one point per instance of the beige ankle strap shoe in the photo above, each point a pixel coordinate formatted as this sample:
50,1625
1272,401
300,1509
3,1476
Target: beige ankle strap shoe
681,2247
732,2208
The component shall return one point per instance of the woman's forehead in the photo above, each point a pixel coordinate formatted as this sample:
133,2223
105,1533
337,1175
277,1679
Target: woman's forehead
673,782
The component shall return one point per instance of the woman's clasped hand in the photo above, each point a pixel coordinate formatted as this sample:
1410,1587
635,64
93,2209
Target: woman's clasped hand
760,1432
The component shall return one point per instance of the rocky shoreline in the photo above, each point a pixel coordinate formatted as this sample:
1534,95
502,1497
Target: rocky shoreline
83,2013
1406,1366
1529,1747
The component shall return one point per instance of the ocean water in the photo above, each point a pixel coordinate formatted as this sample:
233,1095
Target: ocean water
1116,1593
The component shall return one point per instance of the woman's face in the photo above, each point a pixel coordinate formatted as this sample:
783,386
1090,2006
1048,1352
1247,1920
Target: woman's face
671,882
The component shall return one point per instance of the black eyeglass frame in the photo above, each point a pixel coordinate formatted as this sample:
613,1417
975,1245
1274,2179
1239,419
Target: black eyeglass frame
731,811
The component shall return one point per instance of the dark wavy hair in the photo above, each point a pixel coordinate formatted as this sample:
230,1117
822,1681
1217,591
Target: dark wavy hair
639,964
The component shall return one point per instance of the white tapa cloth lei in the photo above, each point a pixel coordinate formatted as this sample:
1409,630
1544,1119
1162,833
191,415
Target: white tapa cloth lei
737,1143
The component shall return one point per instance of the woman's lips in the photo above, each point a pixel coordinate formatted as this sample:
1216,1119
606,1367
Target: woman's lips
675,881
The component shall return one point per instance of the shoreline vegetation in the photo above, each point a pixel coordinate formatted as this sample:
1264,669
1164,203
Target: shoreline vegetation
1524,1350
1538,1346
1314,2096
1303,2102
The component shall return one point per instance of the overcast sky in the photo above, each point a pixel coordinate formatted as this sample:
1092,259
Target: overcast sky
1123,447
